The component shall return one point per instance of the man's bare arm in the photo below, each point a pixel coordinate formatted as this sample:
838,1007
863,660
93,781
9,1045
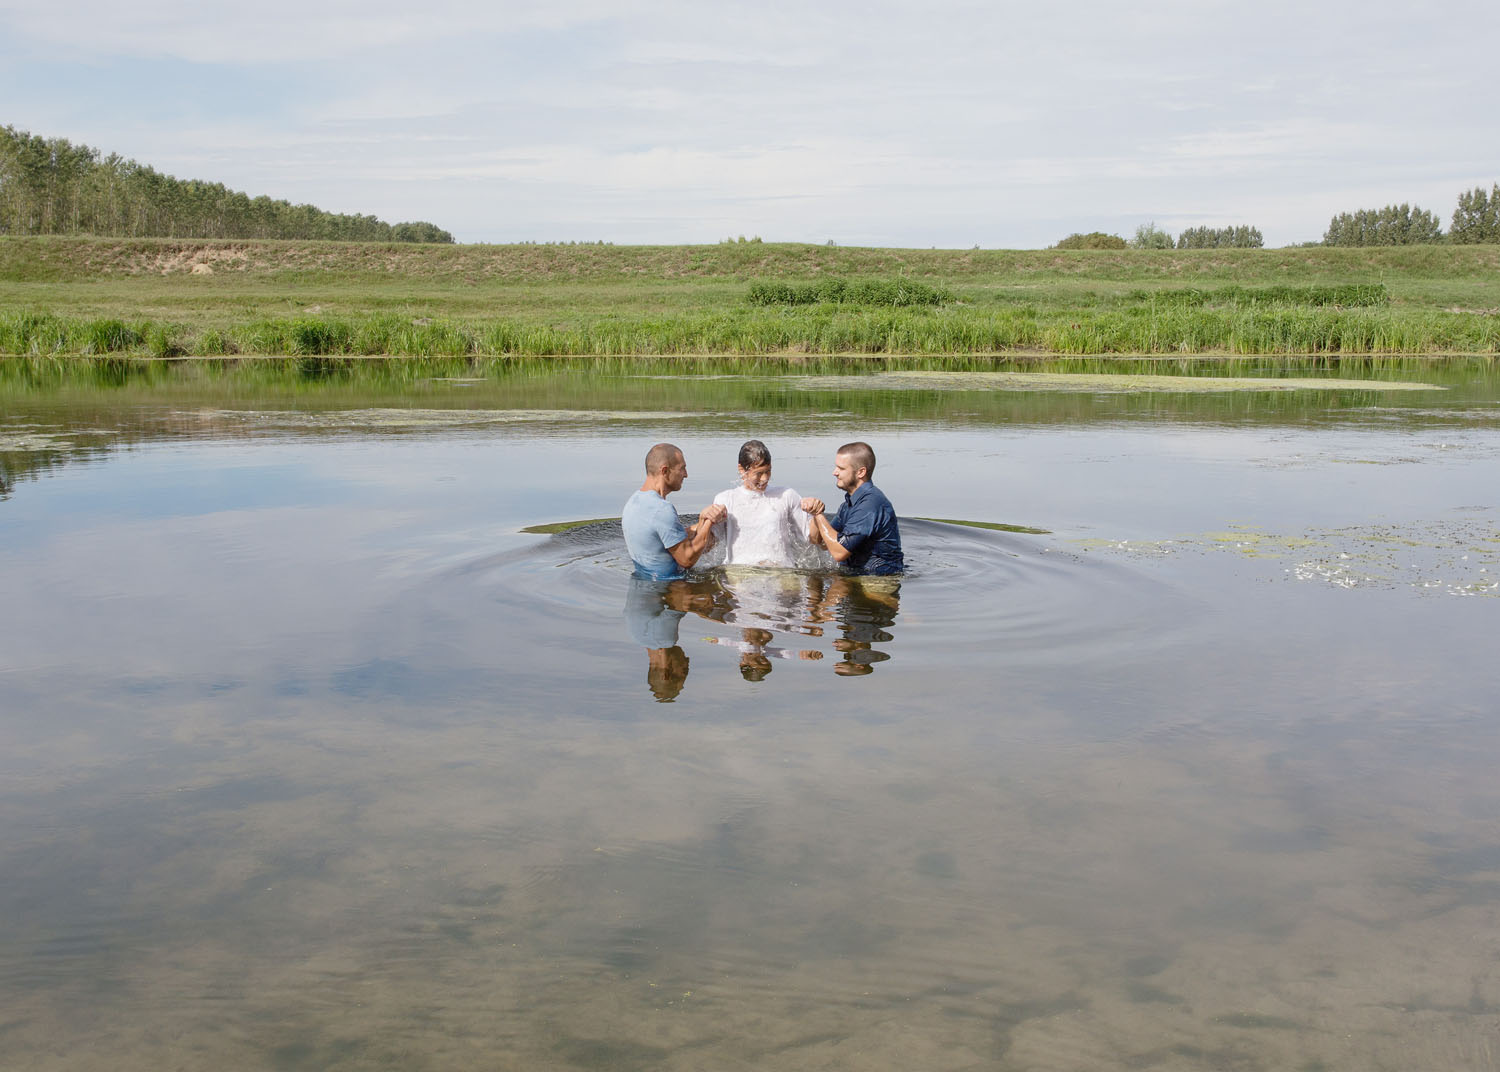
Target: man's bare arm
828,536
813,507
700,538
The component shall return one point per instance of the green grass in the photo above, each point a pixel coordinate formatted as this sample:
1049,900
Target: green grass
81,296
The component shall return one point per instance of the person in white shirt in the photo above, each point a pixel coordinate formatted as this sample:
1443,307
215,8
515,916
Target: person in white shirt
766,525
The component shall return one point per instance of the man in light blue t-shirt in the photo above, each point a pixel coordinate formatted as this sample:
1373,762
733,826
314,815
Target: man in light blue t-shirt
658,544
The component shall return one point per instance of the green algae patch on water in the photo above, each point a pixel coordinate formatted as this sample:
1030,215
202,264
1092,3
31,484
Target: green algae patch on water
1460,558
41,442
553,528
994,525
1099,382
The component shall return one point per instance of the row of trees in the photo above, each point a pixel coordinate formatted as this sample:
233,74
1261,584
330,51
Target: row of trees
1394,225
1242,237
1476,219
50,186
1150,236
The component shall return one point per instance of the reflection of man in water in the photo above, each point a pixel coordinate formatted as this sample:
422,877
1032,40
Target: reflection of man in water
658,544
864,608
863,536
653,613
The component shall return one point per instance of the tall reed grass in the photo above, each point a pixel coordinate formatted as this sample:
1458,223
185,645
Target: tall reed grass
897,293
1349,295
794,332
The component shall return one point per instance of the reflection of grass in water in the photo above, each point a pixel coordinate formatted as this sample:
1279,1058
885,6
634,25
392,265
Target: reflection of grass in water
995,525
757,383
126,398
1106,381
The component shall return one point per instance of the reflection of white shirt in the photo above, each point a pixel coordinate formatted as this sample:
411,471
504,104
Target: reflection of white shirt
763,528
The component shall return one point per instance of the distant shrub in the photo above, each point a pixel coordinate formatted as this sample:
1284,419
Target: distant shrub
1092,240
109,336
319,337
1150,236
213,343
892,292
419,231
160,343
1221,238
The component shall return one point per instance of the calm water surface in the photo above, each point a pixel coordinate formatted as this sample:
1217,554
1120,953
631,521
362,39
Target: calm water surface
310,758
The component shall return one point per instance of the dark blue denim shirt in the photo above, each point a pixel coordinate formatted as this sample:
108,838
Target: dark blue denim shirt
867,530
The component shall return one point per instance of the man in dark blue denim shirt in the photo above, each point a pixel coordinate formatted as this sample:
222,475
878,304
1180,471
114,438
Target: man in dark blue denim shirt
863,536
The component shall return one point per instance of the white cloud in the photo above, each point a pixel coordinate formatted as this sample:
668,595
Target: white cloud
666,121
283,30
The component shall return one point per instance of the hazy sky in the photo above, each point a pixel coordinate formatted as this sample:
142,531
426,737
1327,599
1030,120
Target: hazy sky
871,123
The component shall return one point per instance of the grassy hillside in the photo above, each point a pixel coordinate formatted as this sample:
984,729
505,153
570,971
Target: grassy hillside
164,297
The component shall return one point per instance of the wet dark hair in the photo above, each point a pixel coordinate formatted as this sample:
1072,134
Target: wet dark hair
754,453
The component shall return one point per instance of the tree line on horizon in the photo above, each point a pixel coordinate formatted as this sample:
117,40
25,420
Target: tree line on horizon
1150,236
1475,220
50,186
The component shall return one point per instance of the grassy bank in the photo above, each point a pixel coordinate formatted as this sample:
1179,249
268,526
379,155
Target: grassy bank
72,296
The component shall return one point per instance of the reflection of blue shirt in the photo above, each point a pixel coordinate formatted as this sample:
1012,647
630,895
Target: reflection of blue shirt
652,624
651,526
867,530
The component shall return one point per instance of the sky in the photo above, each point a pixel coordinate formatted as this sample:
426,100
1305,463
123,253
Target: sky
951,124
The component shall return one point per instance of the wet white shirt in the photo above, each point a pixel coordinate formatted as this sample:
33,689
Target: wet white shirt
763,528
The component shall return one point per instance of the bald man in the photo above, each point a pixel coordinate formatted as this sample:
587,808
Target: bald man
661,548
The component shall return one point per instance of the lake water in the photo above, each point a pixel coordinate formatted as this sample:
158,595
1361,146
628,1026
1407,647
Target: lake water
311,758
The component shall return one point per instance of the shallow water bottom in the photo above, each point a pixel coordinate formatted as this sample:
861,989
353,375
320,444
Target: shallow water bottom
312,760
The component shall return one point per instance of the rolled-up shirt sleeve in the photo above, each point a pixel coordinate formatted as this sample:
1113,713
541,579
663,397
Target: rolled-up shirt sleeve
854,526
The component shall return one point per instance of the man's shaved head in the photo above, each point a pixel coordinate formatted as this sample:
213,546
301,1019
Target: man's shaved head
663,454
860,454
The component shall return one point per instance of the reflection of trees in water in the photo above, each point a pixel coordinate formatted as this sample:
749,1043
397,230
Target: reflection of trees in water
20,465
776,614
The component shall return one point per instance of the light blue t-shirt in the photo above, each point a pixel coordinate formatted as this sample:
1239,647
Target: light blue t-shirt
651,526
651,622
